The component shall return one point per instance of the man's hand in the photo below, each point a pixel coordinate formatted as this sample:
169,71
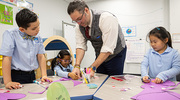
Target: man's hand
13,85
92,74
77,72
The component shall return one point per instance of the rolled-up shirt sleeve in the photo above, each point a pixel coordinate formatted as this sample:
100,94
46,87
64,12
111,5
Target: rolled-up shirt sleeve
145,65
109,27
81,42
7,47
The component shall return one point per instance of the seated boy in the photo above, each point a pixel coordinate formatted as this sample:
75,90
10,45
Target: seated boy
23,51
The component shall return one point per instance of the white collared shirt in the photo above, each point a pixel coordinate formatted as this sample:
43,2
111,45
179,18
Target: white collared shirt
109,27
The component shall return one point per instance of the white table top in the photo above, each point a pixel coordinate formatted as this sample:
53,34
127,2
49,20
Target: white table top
112,89
79,90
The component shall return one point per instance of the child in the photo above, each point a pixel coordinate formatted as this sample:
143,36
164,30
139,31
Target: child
162,61
62,65
23,51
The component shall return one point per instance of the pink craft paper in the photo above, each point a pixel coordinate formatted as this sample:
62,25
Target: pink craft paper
162,85
39,92
7,96
61,79
170,88
153,91
76,82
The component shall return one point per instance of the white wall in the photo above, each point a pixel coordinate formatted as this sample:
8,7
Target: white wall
175,21
174,16
51,14
144,14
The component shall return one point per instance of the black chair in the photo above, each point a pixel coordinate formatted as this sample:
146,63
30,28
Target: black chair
178,77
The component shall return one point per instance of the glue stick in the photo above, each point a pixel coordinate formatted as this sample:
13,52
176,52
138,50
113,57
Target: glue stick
54,72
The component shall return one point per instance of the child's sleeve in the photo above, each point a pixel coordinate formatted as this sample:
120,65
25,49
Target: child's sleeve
144,65
60,72
71,67
175,70
7,47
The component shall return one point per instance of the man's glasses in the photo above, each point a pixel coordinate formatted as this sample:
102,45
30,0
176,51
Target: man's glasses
79,19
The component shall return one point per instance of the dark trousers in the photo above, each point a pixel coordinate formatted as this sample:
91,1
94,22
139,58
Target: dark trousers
22,76
114,66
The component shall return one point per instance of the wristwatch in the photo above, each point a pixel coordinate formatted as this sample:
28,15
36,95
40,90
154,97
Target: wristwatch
93,68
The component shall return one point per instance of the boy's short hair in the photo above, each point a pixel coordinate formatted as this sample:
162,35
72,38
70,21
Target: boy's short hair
25,17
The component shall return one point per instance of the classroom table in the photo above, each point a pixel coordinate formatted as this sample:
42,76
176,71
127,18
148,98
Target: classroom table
80,91
123,90
112,89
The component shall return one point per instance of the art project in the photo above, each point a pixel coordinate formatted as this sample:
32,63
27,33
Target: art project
14,96
61,79
153,91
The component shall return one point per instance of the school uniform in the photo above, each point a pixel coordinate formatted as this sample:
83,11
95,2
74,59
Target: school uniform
23,49
164,66
62,71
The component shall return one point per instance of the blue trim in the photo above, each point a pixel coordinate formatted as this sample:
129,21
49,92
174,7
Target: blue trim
96,98
101,84
86,97
56,45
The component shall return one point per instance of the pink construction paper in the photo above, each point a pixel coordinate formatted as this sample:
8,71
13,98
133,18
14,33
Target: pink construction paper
170,88
7,96
39,92
61,79
153,91
76,82
162,85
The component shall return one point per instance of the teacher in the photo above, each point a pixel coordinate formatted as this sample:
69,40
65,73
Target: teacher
102,29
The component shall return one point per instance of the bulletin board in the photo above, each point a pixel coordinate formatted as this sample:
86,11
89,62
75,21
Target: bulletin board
69,34
7,16
135,50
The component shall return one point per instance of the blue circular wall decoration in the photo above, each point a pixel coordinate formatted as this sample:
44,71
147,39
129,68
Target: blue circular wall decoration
128,31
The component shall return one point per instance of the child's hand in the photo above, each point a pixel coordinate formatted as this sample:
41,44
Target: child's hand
146,79
73,76
45,78
158,80
77,72
13,85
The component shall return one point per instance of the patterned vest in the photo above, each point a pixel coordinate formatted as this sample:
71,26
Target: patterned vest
96,36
